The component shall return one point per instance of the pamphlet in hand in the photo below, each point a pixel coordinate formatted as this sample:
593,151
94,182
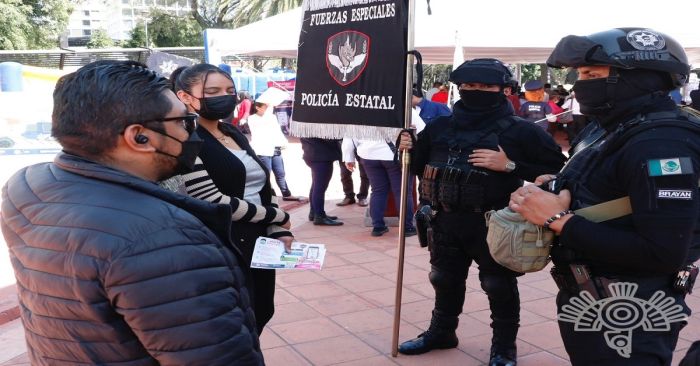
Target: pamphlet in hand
270,254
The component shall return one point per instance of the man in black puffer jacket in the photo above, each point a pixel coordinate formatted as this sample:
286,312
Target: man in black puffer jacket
111,269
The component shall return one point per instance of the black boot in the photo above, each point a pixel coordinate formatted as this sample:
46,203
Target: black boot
311,216
504,301
503,355
326,221
440,335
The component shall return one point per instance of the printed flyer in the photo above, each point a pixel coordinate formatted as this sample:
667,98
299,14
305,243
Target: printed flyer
270,254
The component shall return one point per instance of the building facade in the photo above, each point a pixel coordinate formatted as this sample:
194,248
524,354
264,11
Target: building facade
116,17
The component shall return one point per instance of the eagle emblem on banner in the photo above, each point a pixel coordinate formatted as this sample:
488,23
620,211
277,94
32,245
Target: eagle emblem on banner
347,56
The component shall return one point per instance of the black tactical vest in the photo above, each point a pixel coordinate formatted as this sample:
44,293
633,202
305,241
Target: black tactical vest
599,143
450,150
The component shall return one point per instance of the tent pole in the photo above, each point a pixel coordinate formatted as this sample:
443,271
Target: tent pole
405,163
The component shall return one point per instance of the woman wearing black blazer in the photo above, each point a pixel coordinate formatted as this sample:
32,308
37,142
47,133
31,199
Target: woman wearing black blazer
229,171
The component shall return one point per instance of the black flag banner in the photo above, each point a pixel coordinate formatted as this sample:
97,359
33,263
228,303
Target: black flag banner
351,69
165,63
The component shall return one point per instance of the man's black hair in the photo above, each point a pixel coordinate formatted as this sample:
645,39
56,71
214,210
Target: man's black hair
93,105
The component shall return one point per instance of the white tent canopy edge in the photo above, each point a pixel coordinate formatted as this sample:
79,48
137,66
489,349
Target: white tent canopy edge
507,30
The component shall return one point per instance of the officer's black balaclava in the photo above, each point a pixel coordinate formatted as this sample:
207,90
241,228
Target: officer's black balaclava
618,94
479,100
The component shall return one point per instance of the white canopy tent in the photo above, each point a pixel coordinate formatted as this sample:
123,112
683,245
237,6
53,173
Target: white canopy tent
508,30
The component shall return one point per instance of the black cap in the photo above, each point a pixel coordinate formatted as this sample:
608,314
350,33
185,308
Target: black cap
533,85
482,70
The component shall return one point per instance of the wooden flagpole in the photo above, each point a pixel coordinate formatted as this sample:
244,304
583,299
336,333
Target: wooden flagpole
405,163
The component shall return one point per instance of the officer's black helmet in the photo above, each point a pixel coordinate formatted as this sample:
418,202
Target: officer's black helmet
482,70
627,48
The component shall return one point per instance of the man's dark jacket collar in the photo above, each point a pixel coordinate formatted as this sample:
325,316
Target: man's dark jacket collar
217,217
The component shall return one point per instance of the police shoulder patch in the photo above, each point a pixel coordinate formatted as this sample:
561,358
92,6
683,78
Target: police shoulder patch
670,166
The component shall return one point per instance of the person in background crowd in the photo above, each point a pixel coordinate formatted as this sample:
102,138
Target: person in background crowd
563,93
428,110
695,99
547,90
641,147
555,101
319,155
384,176
243,111
479,155
536,109
229,171
579,121
268,141
563,120
349,188
111,268
512,91
442,96
436,88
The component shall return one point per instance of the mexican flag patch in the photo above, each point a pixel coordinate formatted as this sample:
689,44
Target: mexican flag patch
672,166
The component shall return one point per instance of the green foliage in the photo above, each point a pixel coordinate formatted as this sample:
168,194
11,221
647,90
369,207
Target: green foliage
14,26
534,72
100,39
213,13
237,13
32,24
433,73
49,19
166,30
530,72
137,37
249,11
557,76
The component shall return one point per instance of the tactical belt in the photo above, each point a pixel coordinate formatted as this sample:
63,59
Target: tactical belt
452,189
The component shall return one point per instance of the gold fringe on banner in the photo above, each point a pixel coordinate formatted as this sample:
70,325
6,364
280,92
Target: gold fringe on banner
338,131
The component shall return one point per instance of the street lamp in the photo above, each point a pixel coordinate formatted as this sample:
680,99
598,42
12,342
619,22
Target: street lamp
145,26
144,15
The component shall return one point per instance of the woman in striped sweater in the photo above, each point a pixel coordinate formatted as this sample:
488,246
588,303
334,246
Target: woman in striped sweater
228,171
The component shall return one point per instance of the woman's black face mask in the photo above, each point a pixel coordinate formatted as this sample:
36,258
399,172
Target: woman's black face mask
216,108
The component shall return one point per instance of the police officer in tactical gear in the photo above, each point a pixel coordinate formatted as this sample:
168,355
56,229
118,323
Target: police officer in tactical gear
469,163
641,146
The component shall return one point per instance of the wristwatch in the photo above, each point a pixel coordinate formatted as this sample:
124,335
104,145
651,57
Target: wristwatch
510,166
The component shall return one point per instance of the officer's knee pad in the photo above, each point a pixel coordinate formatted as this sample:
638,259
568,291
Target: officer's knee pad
501,287
444,279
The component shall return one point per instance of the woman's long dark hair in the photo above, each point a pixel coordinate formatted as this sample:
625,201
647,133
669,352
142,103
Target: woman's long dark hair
185,77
